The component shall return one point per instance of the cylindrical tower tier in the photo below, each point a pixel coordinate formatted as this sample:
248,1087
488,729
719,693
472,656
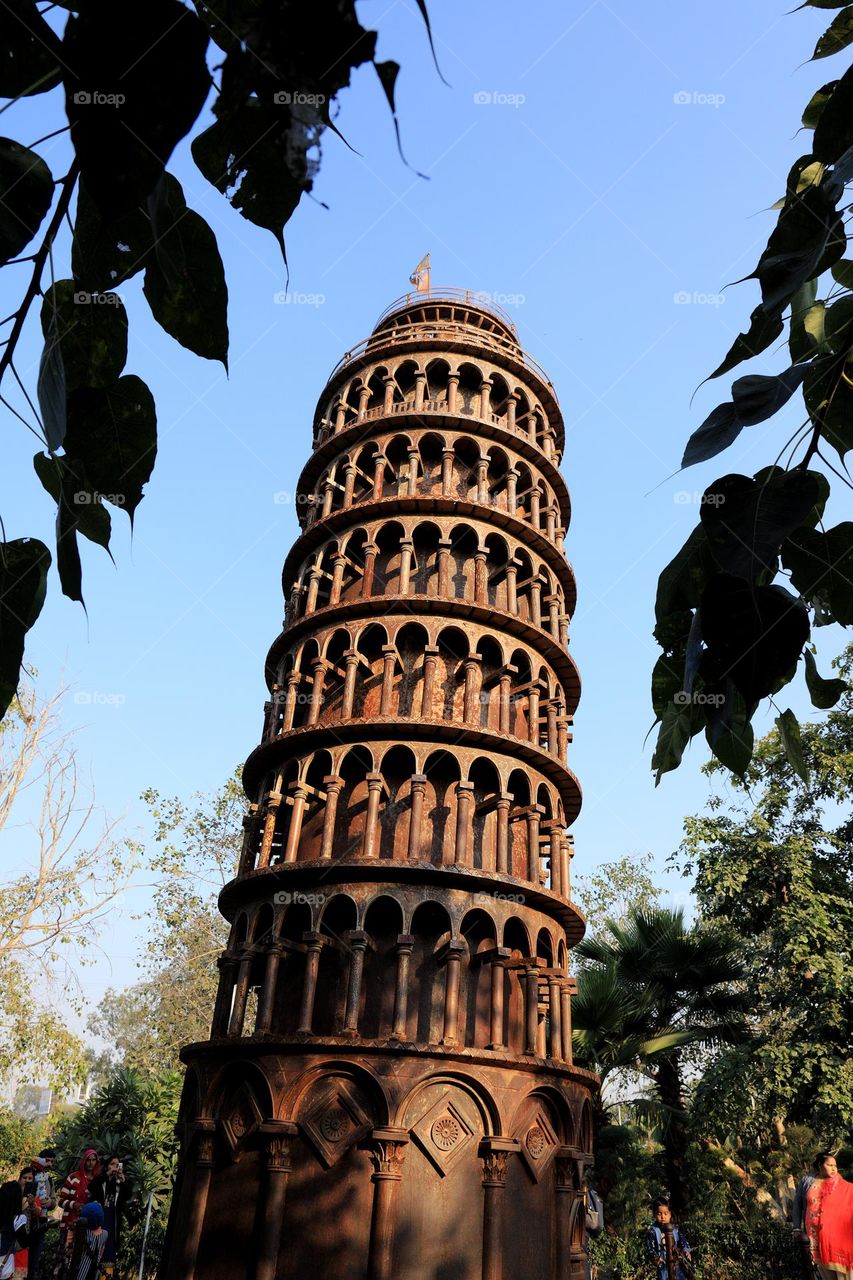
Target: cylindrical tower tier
388,1090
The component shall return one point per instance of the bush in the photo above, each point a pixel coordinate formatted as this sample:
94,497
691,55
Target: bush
764,1250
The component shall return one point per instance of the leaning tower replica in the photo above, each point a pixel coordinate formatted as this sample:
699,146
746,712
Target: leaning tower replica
388,1090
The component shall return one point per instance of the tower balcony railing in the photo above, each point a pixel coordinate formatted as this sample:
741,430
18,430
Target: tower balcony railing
401,336
446,293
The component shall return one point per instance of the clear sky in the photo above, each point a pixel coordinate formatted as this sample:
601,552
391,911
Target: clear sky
616,181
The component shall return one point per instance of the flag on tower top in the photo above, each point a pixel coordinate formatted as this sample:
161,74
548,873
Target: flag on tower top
420,276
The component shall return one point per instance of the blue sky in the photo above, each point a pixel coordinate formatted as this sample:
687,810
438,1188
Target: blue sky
617,180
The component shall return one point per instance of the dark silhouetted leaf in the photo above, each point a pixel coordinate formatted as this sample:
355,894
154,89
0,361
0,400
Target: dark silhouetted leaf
184,280
806,337
821,566
92,331
747,520
792,743
51,385
105,253
720,428
112,432
681,584
64,484
757,397
824,693
808,236
828,392
834,131
839,324
764,329
754,635
842,272
24,563
837,35
27,187
729,731
68,554
136,82
29,52
677,728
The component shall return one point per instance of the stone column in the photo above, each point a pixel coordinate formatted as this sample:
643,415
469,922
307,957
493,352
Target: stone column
555,1011
564,1185
533,712
407,547
505,687
562,734
420,388
405,945
227,966
512,586
531,1008
320,666
340,411
389,392
481,577
300,795
536,601
565,862
358,946
446,472
428,693
470,696
485,396
566,1020
389,662
548,443
379,464
370,842
250,840
370,553
351,659
314,943
290,700
551,713
504,803
453,964
414,467
363,397
388,1152
452,388
535,501
418,788
194,1195
313,587
483,481
464,819
495,1154
266,1004
241,994
550,523
511,490
444,568
339,563
564,630
534,815
328,497
333,784
274,799
496,1012
511,410
553,603
279,1135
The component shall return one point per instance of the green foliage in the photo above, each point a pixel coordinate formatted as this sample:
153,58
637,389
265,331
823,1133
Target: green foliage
731,634
133,1116
614,889
20,1138
277,71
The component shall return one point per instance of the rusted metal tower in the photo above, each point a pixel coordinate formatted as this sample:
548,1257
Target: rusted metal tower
388,1091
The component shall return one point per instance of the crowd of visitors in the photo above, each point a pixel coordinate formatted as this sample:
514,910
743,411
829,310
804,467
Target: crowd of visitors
86,1209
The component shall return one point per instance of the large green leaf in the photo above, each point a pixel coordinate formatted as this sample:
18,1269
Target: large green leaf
746,520
24,563
806,337
135,83
824,693
184,279
30,53
816,104
729,731
26,184
678,725
842,272
837,35
106,252
92,332
821,566
792,743
112,432
758,396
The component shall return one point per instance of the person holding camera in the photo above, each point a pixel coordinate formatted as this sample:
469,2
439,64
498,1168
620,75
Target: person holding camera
111,1190
666,1246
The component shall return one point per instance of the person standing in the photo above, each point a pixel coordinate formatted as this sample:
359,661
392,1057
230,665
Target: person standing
13,1227
829,1219
46,1197
90,1241
111,1191
73,1195
655,1245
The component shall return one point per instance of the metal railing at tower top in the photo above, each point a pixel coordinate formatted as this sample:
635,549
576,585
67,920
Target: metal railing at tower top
465,297
441,330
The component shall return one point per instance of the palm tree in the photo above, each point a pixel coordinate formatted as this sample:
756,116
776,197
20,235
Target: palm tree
651,987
